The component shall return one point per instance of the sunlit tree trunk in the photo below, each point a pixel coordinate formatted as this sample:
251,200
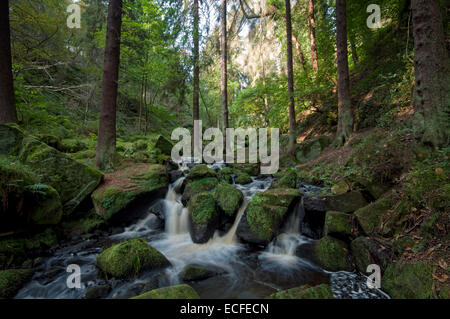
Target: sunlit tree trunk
432,73
196,94
298,49
312,35
345,116
7,108
223,63
106,144
290,71
354,52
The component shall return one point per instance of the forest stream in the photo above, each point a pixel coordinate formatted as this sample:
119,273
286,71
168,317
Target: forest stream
240,270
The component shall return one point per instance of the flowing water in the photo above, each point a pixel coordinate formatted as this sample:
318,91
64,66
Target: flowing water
242,271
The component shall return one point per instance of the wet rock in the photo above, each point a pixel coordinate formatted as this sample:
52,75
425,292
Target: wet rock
266,213
173,292
200,171
129,258
11,280
198,186
409,281
229,199
196,272
174,175
98,292
332,254
158,209
322,291
345,203
123,188
339,225
367,251
203,216
171,165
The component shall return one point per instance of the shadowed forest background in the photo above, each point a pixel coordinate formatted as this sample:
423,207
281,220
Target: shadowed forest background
364,115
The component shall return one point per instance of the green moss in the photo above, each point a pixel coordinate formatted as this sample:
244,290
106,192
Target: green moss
338,224
228,198
174,292
287,180
199,186
203,208
312,149
251,169
130,258
12,280
71,145
164,145
409,281
266,211
370,217
243,179
195,272
332,254
83,224
47,207
200,171
322,291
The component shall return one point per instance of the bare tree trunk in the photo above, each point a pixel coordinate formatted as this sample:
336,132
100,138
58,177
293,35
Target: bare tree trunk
8,112
312,35
196,99
345,116
223,63
432,73
290,69
300,55
106,144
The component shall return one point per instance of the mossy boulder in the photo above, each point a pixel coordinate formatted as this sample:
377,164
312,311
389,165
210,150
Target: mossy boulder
73,180
252,169
204,217
130,258
198,186
266,213
123,188
71,145
367,251
370,216
225,175
345,203
339,225
200,171
45,205
173,292
11,280
164,145
332,254
322,291
229,199
312,148
409,281
243,179
195,273
286,180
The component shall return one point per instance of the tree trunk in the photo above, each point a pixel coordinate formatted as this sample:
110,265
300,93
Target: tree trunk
432,73
345,116
8,112
223,63
196,99
354,52
300,55
106,144
312,35
290,70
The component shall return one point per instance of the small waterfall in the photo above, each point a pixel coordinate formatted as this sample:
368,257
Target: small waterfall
176,216
230,237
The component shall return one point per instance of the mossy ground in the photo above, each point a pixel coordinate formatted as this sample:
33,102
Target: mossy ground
12,280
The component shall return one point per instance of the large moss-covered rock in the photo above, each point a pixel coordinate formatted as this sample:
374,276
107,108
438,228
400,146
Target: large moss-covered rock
345,203
198,186
266,213
370,216
196,272
173,292
11,280
229,198
204,218
332,254
73,180
123,188
164,145
286,180
312,148
129,258
71,145
367,251
251,169
46,207
243,179
409,281
200,171
339,225
322,291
